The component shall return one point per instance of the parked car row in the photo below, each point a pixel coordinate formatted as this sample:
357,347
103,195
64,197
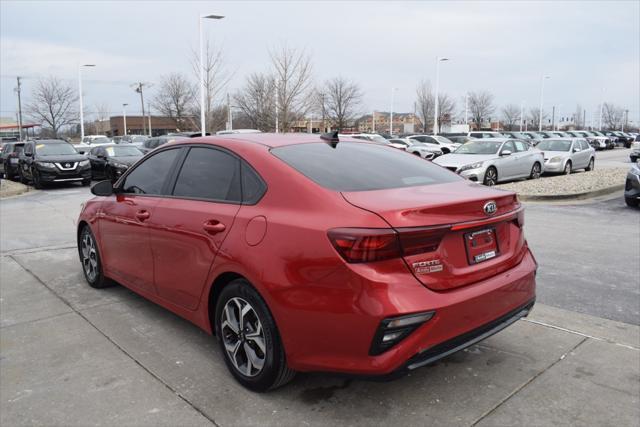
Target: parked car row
41,162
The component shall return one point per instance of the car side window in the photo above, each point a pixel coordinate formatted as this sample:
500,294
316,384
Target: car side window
584,144
509,146
420,139
28,149
211,174
521,146
149,176
252,185
476,135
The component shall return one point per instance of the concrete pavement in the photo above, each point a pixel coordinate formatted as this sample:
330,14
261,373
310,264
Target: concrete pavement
73,355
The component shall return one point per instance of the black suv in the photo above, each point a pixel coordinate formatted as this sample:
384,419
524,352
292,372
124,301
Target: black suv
52,160
9,159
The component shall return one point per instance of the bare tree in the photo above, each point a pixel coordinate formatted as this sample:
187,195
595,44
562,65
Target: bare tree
446,107
175,98
256,101
53,104
343,97
534,118
216,79
480,106
425,105
612,116
293,72
510,116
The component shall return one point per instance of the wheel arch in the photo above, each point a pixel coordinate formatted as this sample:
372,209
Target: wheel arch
219,283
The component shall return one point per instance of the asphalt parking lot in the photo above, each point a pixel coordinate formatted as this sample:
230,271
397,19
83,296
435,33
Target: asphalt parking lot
73,355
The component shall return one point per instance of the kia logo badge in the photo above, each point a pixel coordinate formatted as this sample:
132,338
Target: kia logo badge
490,208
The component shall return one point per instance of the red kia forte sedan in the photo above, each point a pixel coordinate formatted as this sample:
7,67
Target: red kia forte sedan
309,253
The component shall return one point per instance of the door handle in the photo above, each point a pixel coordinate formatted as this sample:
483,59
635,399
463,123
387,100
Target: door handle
213,227
142,215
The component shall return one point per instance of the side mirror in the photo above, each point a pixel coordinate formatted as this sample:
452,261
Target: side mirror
576,149
505,153
103,188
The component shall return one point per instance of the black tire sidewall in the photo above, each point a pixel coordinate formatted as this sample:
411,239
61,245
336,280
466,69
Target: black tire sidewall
485,176
100,281
274,357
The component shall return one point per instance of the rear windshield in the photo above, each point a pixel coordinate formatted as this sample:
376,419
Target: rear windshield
361,167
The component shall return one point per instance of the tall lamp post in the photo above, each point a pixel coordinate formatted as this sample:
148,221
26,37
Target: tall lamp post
542,101
80,97
601,107
435,110
393,91
202,120
124,117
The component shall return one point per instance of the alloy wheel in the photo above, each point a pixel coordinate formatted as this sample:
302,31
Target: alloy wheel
89,257
535,173
490,177
243,337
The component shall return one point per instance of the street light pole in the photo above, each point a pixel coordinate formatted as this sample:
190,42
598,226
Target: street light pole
466,109
435,110
80,97
124,117
203,129
393,89
521,114
601,106
541,101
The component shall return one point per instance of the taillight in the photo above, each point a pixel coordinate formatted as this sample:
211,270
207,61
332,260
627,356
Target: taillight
421,240
365,244
374,244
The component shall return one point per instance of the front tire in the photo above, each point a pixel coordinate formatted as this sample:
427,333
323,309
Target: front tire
35,176
567,168
490,177
249,338
90,259
631,202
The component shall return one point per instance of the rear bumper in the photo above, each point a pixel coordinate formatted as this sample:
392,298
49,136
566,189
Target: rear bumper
463,317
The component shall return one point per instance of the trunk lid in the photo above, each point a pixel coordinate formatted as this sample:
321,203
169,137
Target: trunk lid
470,244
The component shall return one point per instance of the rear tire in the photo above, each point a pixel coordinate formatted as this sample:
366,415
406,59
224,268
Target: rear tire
250,344
591,166
90,259
490,177
631,202
536,171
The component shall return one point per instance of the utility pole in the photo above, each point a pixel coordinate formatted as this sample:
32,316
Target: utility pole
584,118
521,114
626,119
149,111
139,87
19,89
373,121
277,112
229,119
553,118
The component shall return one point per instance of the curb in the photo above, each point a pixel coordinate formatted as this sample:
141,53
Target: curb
572,196
14,192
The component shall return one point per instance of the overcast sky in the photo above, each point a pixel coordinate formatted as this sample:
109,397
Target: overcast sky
503,47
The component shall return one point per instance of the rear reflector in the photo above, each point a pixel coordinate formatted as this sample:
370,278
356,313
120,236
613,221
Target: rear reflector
374,244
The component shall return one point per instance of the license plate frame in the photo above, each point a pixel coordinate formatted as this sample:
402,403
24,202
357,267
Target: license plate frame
481,245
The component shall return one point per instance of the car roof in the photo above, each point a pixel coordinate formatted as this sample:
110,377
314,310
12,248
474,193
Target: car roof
48,141
271,140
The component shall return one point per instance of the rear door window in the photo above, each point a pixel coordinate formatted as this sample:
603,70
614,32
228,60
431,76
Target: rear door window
521,146
361,167
149,177
209,174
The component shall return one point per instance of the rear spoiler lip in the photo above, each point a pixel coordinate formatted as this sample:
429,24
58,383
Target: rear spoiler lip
479,223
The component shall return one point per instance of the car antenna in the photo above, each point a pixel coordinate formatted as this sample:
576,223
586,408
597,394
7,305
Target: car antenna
331,138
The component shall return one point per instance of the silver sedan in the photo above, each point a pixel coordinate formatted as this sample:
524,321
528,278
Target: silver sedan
564,155
494,160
